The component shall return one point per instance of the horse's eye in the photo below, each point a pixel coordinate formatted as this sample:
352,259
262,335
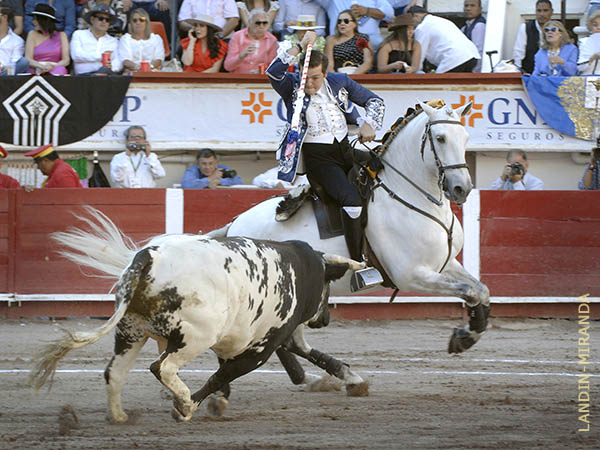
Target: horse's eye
441,139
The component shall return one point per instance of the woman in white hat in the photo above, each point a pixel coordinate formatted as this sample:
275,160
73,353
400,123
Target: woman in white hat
203,50
46,49
303,24
140,45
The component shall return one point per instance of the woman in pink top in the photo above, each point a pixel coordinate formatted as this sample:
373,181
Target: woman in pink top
46,48
252,48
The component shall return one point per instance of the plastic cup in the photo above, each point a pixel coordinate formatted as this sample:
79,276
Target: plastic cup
106,59
144,66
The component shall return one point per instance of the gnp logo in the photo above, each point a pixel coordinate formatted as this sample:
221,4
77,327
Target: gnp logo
256,108
471,115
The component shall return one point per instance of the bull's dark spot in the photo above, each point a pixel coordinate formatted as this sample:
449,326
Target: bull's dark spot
286,289
175,340
264,281
128,332
259,311
228,261
107,370
250,302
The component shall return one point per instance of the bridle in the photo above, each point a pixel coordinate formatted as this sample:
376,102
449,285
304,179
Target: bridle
441,175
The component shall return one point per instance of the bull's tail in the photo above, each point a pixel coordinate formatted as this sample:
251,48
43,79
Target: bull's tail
46,361
105,248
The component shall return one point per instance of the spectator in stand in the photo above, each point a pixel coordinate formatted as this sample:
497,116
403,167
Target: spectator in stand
369,14
348,51
225,14
137,166
16,23
589,50
207,173
203,50
593,5
12,47
117,28
66,17
59,173
46,49
400,6
157,10
290,10
87,46
396,52
529,36
558,56
140,44
442,44
515,175
590,180
474,28
303,24
268,6
7,182
252,49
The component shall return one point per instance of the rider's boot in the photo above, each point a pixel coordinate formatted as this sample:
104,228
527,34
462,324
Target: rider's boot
353,232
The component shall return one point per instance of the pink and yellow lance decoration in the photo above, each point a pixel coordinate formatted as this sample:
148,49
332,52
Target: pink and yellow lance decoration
293,136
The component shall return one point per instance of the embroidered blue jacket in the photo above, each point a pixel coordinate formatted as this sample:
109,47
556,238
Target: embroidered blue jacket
346,91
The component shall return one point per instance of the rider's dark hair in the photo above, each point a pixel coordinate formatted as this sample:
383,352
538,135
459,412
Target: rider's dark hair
317,58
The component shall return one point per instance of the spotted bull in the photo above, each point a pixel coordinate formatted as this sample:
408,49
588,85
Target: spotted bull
240,297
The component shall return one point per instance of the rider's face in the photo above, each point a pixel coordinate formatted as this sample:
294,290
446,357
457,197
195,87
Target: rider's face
314,80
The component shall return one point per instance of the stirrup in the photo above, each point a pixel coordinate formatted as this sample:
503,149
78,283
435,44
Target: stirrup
365,279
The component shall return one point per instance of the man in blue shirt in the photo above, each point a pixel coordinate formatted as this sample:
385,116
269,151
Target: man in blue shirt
206,173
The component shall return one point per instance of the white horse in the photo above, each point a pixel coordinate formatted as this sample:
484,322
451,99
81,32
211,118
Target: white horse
411,227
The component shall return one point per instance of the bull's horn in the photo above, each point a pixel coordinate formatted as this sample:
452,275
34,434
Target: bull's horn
337,259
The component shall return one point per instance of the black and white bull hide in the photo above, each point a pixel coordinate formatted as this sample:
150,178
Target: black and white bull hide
240,297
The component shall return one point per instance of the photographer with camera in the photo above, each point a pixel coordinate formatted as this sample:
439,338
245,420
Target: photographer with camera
590,180
137,166
206,173
515,175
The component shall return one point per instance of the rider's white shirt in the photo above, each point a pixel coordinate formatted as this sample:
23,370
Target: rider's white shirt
324,118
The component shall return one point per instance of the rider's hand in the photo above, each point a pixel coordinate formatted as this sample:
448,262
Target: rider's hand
310,37
366,133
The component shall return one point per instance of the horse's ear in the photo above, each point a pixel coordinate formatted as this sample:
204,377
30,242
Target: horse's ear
428,109
464,109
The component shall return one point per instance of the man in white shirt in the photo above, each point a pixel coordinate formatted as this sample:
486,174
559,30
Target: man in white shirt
225,13
442,44
529,37
87,46
137,166
515,176
368,12
474,28
12,47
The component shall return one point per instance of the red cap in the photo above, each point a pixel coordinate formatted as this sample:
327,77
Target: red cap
3,152
40,152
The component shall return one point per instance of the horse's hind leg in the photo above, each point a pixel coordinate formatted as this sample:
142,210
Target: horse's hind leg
129,339
355,385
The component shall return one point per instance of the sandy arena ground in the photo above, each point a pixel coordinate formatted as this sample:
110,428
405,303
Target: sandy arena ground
516,389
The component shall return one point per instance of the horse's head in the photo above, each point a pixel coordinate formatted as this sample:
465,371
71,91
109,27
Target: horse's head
447,140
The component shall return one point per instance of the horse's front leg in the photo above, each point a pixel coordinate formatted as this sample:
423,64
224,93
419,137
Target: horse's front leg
355,385
456,281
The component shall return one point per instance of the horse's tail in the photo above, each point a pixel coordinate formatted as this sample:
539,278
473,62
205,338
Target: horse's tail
219,232
46,361
104,248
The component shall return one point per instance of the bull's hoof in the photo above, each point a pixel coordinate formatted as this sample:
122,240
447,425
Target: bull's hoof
358,389
461,340
175,414
120,417
216,405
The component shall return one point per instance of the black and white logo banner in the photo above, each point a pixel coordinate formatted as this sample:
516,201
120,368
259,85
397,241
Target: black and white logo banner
61,110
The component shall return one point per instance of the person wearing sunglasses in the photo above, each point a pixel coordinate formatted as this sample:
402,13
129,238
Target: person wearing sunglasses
94,50
268,6
558,55
252,49
348,50
203,50
530,35
117,28
140,45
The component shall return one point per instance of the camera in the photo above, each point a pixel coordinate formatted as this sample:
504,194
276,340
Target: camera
229,174
516,169
134,147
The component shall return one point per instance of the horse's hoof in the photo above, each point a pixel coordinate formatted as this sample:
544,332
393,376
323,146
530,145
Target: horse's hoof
357,390
216,406
461,340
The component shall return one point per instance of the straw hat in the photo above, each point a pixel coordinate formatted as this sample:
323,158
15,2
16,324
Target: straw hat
204,19
306,22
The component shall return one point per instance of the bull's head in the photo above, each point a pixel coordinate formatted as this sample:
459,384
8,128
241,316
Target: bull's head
335,268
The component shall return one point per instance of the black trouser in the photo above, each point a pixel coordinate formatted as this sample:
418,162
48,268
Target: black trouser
328,165
465,67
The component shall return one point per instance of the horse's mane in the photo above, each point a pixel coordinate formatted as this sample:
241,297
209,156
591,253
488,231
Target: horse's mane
403,121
